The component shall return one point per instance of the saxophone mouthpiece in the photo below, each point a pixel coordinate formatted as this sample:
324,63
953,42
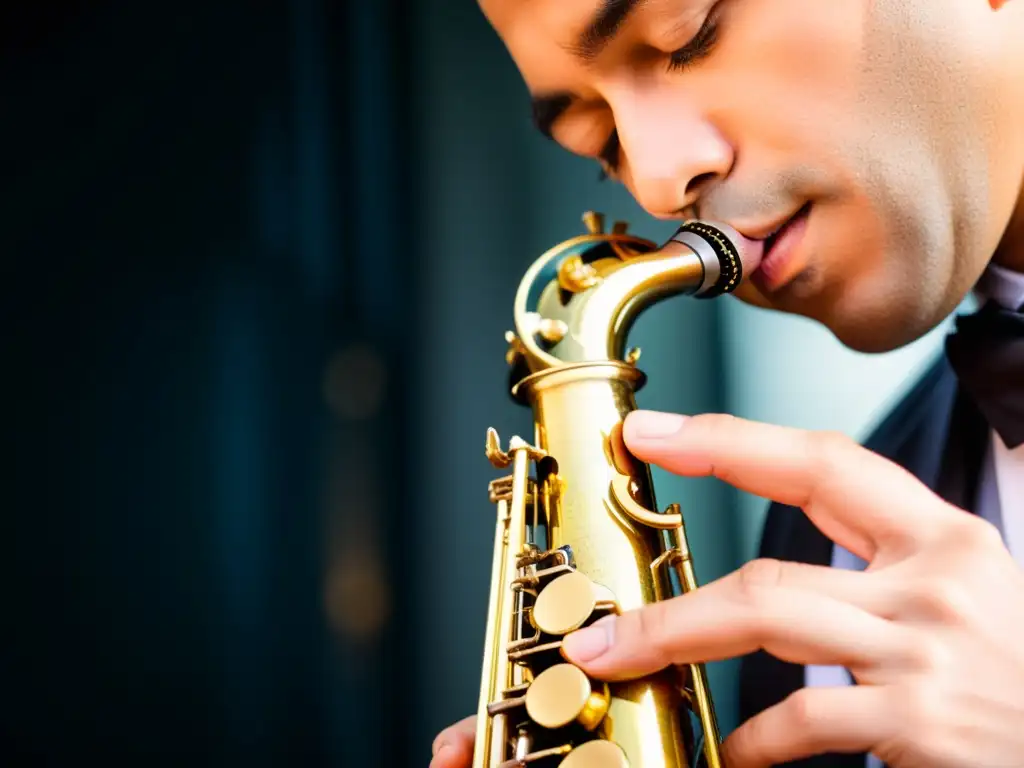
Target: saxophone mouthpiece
727,256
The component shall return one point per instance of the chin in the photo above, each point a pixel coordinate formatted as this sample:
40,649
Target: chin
871,339
877,324
864,318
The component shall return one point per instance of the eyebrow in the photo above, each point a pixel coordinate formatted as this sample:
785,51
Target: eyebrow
604,26
601,30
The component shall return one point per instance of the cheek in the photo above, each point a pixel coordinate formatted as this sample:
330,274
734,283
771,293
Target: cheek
924,109
883,271
826,84
767,48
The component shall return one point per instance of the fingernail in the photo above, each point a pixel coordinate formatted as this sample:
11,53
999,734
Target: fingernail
440,747
587,644
652,425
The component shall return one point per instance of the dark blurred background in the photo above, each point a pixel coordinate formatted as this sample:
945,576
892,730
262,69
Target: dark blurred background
258,258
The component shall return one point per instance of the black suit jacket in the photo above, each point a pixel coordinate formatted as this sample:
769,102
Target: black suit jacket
935,434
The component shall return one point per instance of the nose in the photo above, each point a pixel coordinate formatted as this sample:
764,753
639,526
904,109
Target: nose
670,154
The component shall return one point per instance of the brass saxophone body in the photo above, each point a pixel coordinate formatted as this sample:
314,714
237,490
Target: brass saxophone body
578,533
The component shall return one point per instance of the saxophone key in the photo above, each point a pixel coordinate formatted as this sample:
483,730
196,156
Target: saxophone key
596,754
564,604
563,694
606,602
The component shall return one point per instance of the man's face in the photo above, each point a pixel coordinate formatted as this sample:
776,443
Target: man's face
887,132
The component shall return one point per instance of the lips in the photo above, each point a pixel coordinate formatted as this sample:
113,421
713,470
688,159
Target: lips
766,251
780,246
774,236
750,250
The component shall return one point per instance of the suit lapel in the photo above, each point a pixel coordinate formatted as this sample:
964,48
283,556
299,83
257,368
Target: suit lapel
914,436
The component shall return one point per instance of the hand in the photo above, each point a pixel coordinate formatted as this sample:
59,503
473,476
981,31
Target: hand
933,630
453,747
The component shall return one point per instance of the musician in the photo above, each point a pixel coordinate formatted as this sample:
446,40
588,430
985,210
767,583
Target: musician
877,150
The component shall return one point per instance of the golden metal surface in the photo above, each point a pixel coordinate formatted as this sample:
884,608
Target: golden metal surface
552,331
623,491
596,754
515,348
578,533
542,756
563,694
575,276
498,458
594,222
564,604
608,295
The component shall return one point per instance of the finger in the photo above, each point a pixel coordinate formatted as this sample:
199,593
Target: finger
812,721
881,592
453,747
855,497
720,621
866,590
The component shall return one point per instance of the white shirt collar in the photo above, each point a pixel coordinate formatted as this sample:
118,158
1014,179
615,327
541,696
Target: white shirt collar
1002,285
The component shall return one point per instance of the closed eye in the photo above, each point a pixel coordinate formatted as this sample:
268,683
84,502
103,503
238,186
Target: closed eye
698,47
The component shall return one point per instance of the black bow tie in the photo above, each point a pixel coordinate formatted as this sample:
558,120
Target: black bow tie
987,354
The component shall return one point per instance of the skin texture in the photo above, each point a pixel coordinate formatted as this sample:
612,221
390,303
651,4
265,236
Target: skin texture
902,123
900,120
930,630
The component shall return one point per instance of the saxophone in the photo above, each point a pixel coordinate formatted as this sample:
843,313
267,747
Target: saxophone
578,535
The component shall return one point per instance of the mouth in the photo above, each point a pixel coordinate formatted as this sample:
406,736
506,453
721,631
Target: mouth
780,246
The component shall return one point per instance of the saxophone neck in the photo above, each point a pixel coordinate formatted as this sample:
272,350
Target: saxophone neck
580,300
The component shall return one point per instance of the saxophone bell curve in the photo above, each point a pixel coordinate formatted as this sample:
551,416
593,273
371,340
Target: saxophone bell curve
578,535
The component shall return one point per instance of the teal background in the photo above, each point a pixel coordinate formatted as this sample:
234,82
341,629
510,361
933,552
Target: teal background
258,260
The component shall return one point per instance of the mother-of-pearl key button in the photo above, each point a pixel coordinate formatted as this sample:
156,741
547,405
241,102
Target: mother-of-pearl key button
563,694
596,754
564,604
